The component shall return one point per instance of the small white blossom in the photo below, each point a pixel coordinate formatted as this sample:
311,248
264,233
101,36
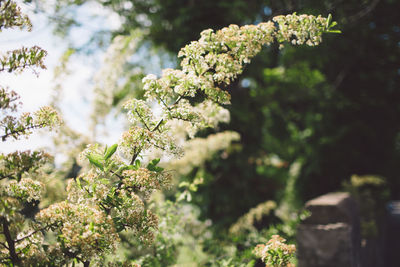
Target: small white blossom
26,189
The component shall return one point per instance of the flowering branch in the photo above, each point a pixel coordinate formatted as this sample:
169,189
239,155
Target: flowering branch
213,61
19,187
276,253
15,127
20,59
34,232
11,16
19,131
111,197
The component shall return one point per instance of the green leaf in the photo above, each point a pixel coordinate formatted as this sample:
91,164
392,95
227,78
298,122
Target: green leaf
91,226
155,161
137,164
78,182
158,169
110,151
152,166
113,190
108,167
131,167
181,196
328,21
183,184
193,187
96,159
104,181
333,24
28,120
122,168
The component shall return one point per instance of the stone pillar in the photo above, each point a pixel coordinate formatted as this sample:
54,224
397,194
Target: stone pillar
330,237
392,246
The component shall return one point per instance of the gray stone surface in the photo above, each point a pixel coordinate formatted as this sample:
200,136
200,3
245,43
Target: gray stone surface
330,236
331,208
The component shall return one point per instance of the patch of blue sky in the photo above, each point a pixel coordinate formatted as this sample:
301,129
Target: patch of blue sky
36,91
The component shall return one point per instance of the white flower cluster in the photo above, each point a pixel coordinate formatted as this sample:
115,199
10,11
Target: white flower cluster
35,254
47,116
144,180
208,64
86,231
198,150
276,252
300,29
139,112
218,57
26,189
246,222
138,139
121,196
93,194
133,215
112,196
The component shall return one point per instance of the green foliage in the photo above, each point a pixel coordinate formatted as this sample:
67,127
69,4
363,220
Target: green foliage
321,106
331,24
20,59
110,151
11,16
15,127
112,197
276,253
326,120
246,223
152,166
21,173
121,189
16,61
16,164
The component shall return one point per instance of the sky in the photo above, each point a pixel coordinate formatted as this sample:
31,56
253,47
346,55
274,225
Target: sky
36,91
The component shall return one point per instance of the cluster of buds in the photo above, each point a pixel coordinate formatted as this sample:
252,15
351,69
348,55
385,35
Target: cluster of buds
276,253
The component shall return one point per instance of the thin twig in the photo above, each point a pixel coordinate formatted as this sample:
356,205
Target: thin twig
162,101
158,125
19,132
4,245
34,232
116,174
135,155
141,118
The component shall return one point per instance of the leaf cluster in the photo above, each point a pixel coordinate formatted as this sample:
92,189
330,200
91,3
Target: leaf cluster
20,59
11,16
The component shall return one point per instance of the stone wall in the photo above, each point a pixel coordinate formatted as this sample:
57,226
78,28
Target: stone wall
330,237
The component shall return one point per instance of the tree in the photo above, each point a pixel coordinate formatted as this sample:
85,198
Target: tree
20,188
311,118
112,196
333,110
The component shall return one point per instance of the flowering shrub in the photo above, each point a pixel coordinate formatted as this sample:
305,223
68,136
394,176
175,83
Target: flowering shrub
112,196
21,239
276,253
246,222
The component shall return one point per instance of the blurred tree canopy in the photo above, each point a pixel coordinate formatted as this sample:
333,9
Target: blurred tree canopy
334,108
